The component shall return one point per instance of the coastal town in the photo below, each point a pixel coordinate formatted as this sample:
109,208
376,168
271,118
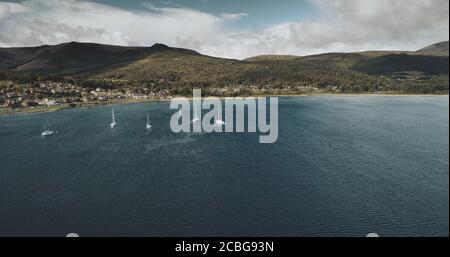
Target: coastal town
50,95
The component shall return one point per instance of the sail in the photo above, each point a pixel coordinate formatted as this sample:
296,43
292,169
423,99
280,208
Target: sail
46,126
148,126
196,116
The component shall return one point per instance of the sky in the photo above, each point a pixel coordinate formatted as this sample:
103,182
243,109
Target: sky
229,28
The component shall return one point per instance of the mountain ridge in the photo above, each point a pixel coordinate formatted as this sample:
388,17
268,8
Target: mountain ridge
52,58
179,70
75,57
438,49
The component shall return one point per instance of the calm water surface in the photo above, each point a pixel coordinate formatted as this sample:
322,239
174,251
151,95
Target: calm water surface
343,166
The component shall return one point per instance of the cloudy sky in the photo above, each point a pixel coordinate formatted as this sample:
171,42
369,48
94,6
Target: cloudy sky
230,28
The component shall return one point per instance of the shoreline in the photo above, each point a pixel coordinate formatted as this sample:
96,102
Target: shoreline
29,110
45,109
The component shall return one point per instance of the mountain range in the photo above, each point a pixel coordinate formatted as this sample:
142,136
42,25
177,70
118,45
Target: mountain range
185,67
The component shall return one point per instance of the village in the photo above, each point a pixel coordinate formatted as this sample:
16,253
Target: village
22,96
15,95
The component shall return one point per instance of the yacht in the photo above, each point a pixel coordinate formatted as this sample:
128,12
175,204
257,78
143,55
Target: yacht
148,126
113,123
196,118
47,131
220,123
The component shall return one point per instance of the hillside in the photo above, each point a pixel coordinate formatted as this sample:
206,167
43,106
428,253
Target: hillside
164,69
439,49
12,57
392,63
339,59
175,65
431,60
71,58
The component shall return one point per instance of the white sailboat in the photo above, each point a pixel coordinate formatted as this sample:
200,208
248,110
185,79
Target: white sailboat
220,123
47,131
113,123
196,118
148,126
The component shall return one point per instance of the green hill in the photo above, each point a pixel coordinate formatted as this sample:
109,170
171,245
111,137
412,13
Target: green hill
162,68
72,58
392,63
175,65
13,57
439,49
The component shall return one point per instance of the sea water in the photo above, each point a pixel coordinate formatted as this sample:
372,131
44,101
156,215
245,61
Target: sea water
342,166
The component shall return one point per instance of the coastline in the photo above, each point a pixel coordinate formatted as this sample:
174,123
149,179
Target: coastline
45,109
29,110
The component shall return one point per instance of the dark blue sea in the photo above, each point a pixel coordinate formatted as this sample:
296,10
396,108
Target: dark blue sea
342,166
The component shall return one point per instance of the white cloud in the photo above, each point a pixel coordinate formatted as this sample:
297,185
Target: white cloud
390,21
346,26
53,22
233,16
7,9
342,26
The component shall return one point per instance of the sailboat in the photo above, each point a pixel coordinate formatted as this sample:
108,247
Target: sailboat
47,131
113,123
196,118
220,122
148,126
